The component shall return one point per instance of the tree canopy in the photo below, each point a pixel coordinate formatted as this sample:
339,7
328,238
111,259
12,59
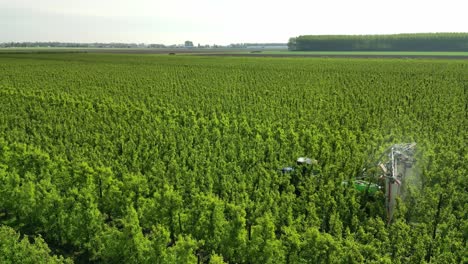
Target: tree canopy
109,158
396,42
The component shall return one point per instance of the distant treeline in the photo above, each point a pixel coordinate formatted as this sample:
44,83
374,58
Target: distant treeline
259,45
130,45
77,45
396,42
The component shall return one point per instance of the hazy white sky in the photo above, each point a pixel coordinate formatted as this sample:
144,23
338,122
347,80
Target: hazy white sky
221,21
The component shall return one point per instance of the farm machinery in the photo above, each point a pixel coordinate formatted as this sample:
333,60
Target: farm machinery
395,163
393,166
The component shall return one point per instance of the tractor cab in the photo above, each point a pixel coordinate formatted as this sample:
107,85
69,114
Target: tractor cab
305,161
301,163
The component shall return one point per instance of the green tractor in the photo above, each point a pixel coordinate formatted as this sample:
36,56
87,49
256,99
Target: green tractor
364,186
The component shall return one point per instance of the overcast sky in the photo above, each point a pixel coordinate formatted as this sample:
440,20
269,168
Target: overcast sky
221,21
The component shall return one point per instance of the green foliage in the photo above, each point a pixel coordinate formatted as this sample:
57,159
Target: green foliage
216,259
396,42
14,249
158,159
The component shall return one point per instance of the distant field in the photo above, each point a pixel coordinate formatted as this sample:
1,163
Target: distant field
346,54
226,52
245,52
